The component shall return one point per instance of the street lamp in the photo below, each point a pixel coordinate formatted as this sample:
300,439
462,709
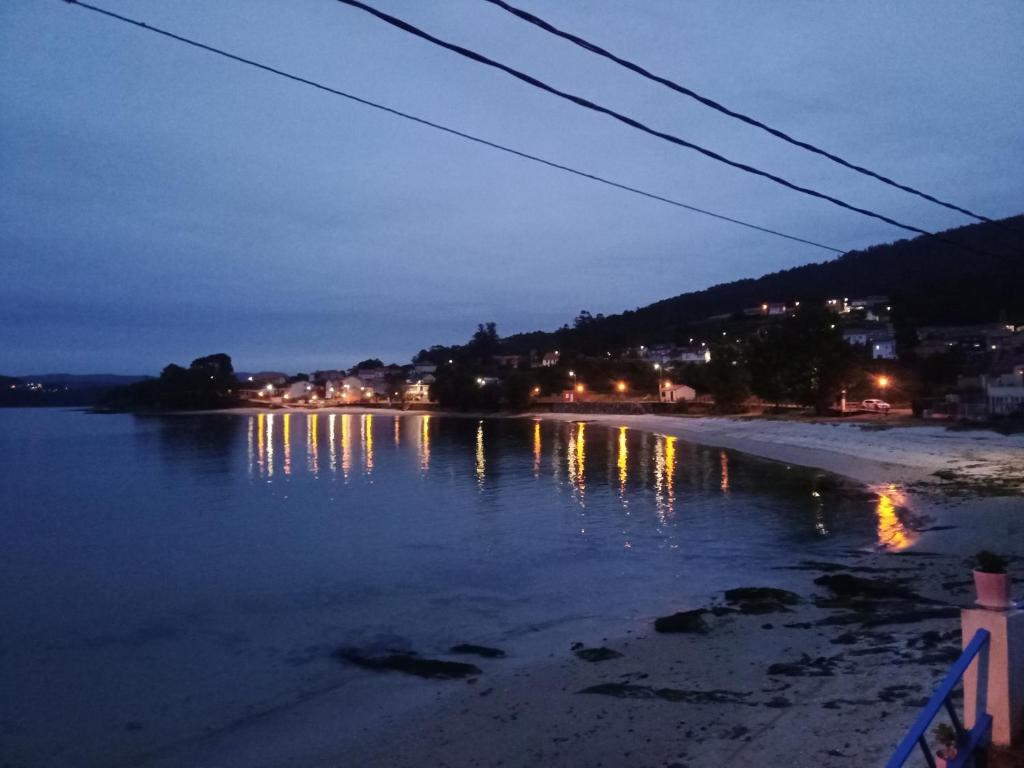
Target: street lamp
621,386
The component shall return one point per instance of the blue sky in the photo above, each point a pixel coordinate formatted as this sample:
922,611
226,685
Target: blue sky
159,203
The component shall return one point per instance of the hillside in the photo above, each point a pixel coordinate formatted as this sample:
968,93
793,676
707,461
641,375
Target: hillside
59,389
928,282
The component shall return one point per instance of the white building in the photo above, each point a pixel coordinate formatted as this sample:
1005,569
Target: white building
418,391
300,390
1005,393
883,348
676,393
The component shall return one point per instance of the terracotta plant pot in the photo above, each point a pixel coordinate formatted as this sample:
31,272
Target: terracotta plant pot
993,589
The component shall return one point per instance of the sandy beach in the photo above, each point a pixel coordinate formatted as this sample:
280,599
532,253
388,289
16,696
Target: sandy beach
831,673
871,453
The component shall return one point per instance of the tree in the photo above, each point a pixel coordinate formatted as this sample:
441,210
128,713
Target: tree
516,388
727,379
372,362
395,383
208,382
803,359
485,341
767,362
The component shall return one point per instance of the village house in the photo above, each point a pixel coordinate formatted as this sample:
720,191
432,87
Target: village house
299,391
676,393
418,391
879,340
1005,393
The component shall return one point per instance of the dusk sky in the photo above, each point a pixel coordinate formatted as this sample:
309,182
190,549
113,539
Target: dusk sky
159,203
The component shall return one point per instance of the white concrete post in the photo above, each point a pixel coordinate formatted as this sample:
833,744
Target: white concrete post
1001,692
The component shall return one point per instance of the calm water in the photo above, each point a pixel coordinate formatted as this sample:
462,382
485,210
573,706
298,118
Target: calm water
163,577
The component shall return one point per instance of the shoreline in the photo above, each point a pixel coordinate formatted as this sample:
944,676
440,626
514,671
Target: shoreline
866,453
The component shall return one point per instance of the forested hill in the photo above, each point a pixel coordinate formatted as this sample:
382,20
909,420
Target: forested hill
928,281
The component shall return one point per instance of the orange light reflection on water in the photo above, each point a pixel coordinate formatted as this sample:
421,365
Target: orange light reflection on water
270,445
287,466
425,443
261,441
536,449
366,433
623,459
346,444
892,533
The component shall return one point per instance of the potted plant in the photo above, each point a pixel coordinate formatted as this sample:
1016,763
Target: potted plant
946,737
991,580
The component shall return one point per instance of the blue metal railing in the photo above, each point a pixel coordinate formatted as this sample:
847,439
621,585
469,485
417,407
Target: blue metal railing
967,742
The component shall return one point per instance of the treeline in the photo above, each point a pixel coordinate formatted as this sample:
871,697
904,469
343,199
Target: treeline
800,359
208,382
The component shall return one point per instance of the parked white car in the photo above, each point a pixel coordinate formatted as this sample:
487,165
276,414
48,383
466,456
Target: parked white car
875,405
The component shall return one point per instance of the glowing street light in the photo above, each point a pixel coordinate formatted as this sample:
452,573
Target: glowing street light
621,386
883,382
579,387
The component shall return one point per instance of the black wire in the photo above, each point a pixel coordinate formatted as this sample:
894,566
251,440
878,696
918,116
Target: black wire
440,127
579,100
593,48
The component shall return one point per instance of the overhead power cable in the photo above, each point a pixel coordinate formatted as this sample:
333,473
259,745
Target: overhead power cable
444,128
587,104
632,66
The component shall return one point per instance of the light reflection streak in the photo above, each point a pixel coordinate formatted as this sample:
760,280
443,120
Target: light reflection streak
346,444
366,428
670,472
536,449
623,459
398,430
270,445
425,442
312,444
481,461
556,451
250,448
261,441
287,464
576,461
330,441
892,533
723,460
659,480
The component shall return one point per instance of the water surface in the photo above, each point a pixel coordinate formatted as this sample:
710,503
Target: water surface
165,577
